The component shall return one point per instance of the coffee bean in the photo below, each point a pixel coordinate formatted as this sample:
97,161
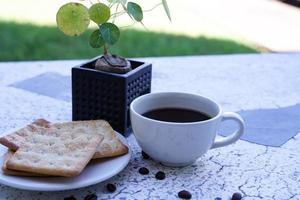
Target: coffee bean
111,187
236,196
91,197
160,175
143,171
184,194
145,156
70,198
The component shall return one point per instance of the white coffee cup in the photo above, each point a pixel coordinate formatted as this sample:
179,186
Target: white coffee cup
180,144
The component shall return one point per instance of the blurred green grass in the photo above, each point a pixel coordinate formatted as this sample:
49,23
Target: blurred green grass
31,42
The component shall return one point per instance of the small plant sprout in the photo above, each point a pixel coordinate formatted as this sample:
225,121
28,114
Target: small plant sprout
74,18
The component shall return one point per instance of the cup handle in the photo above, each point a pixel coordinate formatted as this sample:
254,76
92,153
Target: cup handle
234,136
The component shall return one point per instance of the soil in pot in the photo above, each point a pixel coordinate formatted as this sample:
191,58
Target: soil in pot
113,64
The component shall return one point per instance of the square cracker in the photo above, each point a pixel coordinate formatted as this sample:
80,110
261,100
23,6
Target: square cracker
7,171
14,140
109,147
63,150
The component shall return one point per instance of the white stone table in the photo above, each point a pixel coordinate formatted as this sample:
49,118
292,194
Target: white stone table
237,82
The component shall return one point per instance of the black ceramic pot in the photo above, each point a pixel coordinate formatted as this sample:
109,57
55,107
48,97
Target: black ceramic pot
103,95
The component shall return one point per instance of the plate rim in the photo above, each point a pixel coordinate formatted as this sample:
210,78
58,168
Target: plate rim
69,187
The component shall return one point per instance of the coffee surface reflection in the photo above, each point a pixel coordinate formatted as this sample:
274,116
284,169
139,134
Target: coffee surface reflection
179,115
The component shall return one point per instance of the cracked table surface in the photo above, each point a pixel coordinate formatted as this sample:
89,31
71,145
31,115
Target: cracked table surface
237,82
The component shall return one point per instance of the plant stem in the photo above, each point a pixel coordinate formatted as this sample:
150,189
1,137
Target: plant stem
117,14
116,11
105,49
152,7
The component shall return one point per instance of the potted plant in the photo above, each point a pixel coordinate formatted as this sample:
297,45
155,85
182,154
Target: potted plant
104,87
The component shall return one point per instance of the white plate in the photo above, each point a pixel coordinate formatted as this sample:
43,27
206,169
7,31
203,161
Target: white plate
95,172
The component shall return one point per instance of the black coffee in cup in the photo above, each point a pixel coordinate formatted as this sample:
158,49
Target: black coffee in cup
179,115
182,143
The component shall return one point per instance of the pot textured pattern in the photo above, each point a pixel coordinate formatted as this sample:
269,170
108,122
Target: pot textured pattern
137,87
102,95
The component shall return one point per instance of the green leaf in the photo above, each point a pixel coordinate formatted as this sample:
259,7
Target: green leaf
167,10
110,33
99,13
73,19
135,11
96,39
